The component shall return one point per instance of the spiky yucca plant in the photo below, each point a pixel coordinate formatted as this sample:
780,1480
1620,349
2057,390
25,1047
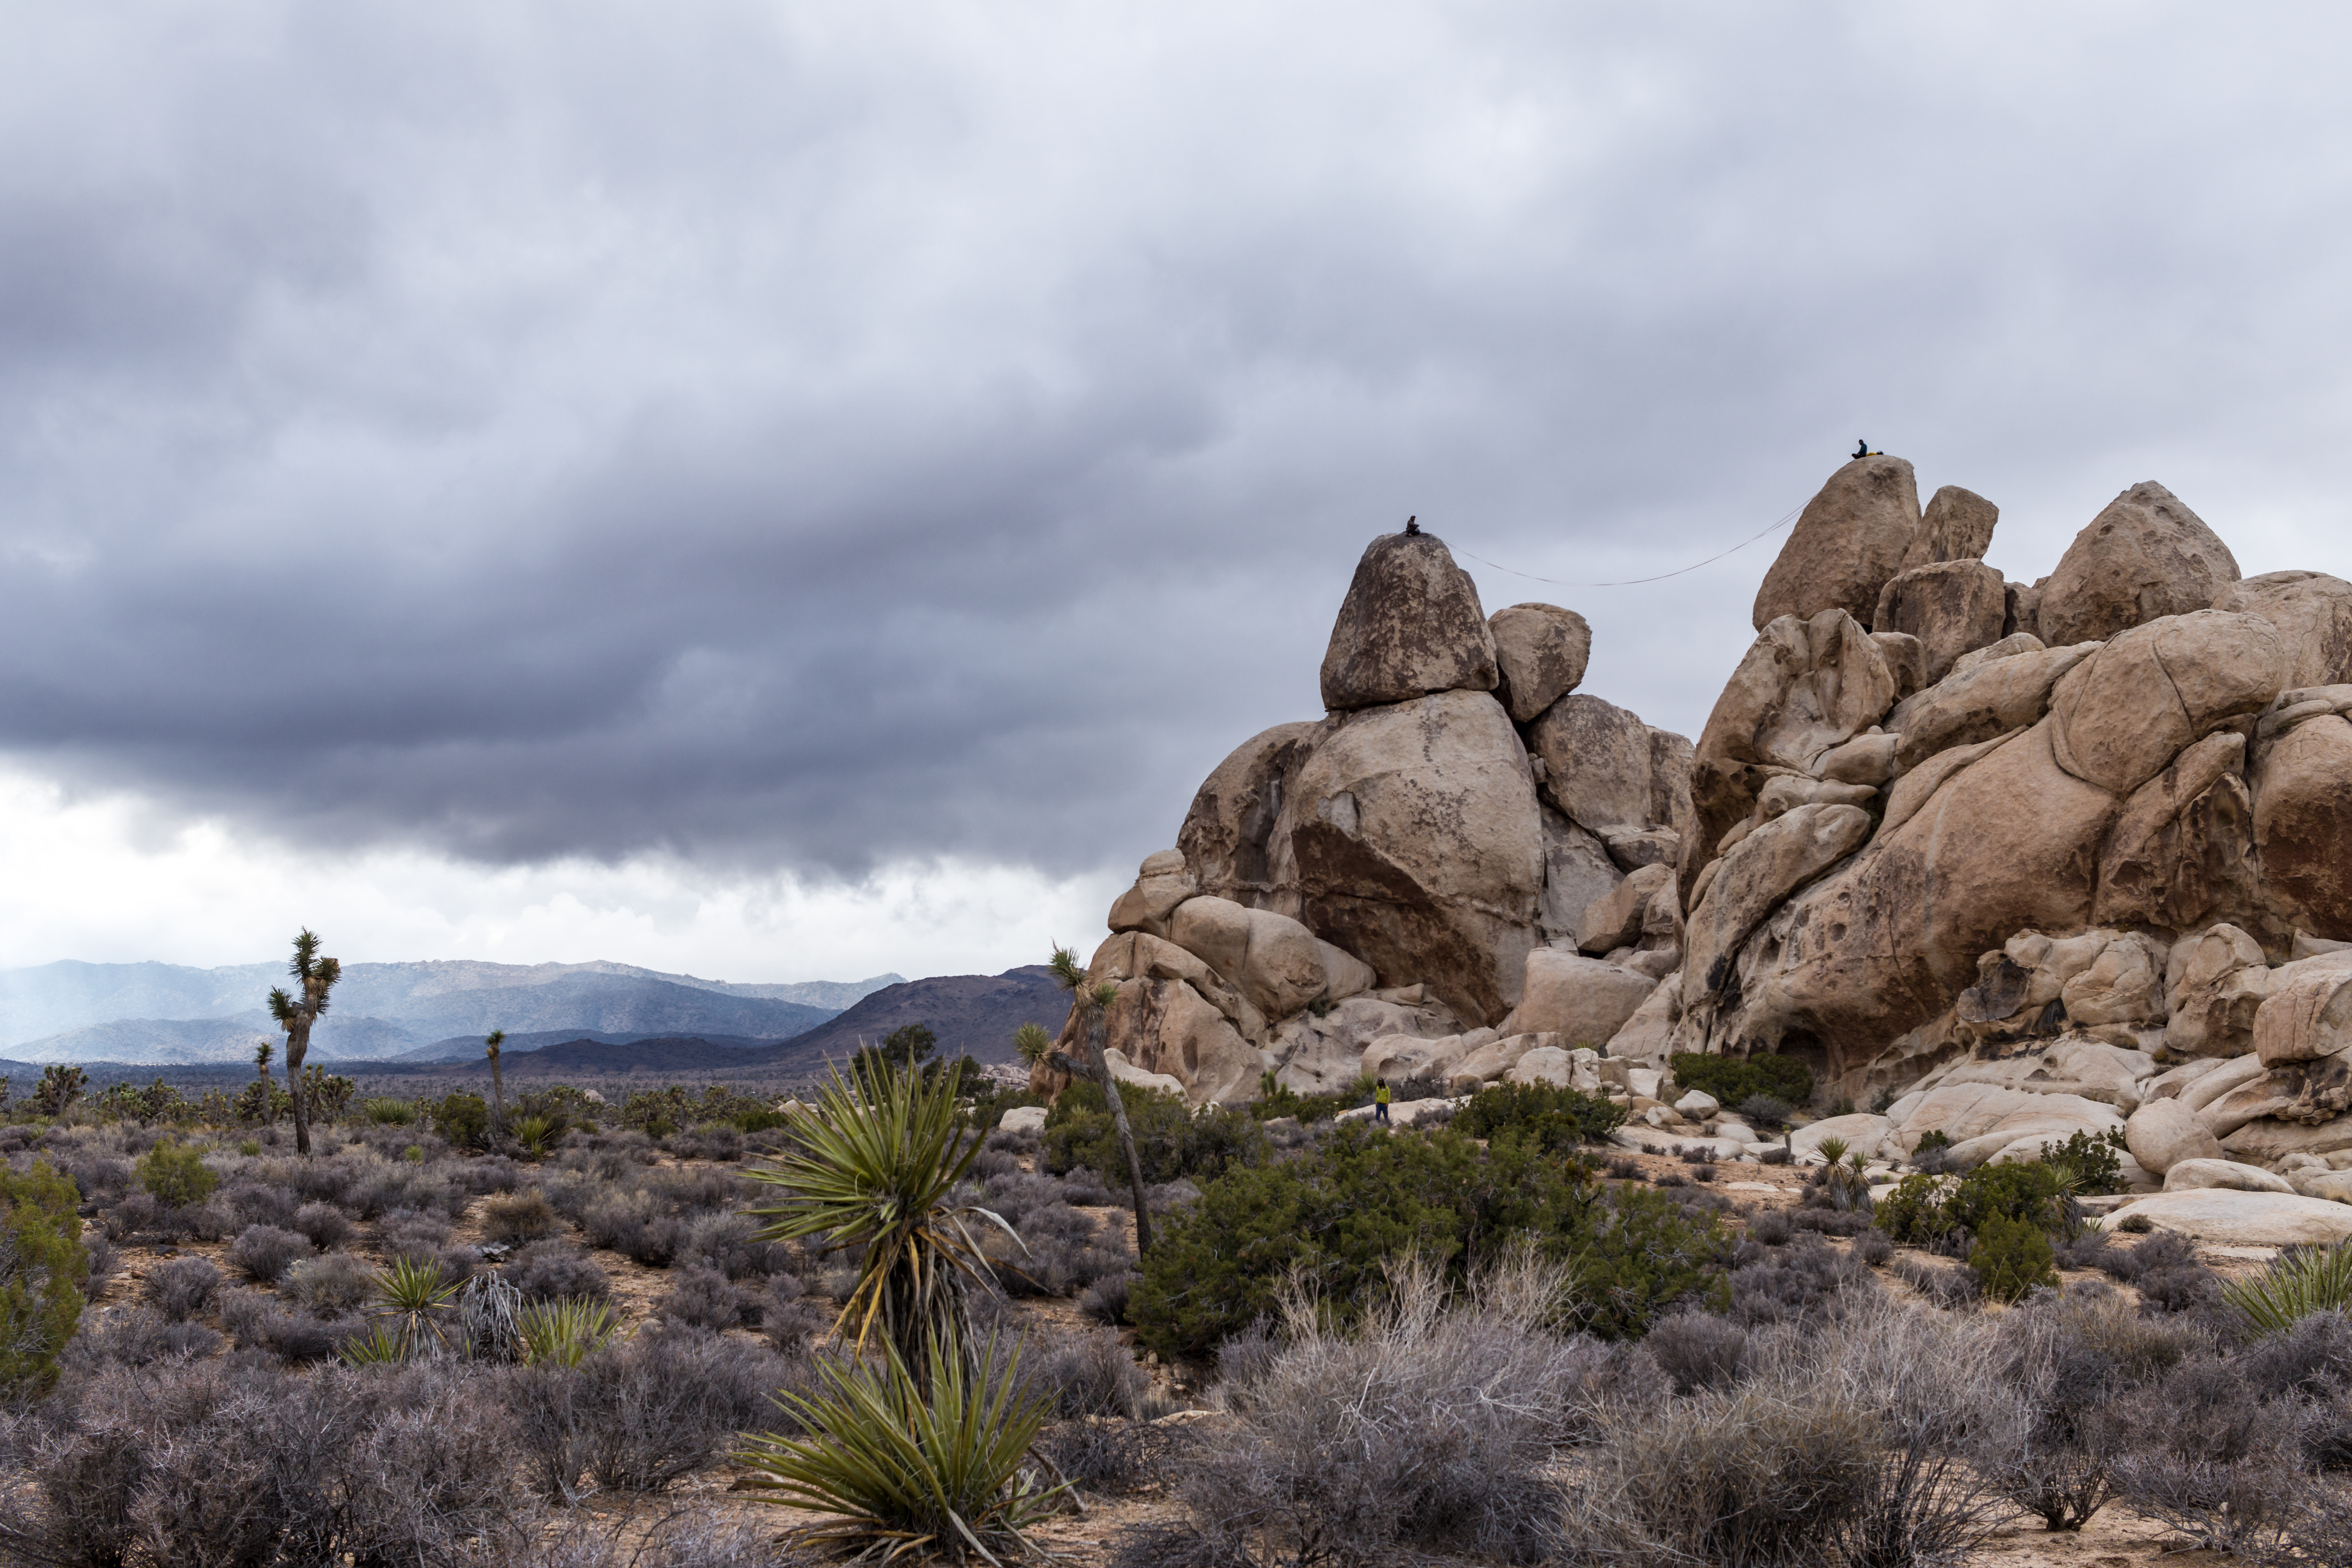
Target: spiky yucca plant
874,1171
934,1466
2295,1285
1031,1043
536,1134
565,1331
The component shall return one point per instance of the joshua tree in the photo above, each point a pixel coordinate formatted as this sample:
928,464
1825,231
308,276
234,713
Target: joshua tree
318,976
490,1044
1091,1007
1031,1043
261,1055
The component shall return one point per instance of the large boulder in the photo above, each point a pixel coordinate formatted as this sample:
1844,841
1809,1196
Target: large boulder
1419,846
2303,824
2313,613
1803,690
1596,762
2179,854
1849,540
1578,869
1228,838
2160,1134
1275,962
1759,872
1139,955
2230,1218
1540,652
1887,943
1165,1027
2307,1014
2145,557
2186,1175
1163,883
1982,1120
1980,702
1410,626
1581,999
1952,607
1615,919
2214,983
1957,526
2127,710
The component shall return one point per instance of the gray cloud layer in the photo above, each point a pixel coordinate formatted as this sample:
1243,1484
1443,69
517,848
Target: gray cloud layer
803,437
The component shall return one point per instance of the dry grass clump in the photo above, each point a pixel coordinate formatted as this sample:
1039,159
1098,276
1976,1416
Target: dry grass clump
511,1220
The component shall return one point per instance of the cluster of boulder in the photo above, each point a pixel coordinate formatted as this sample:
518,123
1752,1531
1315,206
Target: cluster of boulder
2006,861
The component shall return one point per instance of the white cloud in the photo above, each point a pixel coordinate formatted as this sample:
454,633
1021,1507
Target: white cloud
110,878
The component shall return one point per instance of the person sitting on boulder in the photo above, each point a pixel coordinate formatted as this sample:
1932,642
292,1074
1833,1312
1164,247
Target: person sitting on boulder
1381,1101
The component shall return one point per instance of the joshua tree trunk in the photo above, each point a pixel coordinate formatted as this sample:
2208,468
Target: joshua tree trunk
491,1043
318,976
1098,1041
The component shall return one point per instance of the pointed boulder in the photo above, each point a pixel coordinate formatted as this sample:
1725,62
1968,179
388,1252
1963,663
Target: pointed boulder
2145,557
1411,626
1849,541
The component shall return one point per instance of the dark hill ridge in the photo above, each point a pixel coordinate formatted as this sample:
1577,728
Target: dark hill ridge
974,1014
668,1055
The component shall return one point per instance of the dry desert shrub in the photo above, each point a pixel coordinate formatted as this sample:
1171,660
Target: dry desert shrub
1431,1426
263,1253
512,1219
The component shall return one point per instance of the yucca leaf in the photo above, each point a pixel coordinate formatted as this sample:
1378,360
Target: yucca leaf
2297,1284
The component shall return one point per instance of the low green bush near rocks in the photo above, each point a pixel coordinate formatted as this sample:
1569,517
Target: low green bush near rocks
1733,1080
1172,1139
1546,1116
1334,1214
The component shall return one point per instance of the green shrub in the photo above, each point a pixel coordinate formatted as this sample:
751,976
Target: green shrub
1550,1117
1935,1138
387,1112
42,1267
1338,1212
1170,1138
1733,1079
2011,1257
1279,1099
176,1176
1923,1209
464,1119
2088,1161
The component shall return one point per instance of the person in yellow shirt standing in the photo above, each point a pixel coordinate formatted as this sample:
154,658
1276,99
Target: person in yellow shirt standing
1381,1101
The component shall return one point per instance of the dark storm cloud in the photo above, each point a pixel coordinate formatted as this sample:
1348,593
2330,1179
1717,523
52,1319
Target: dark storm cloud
798,437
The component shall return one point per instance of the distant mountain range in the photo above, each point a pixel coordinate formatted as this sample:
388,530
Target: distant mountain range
974,1014
171,1015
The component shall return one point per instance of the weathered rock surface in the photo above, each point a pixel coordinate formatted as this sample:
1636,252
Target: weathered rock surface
1275,962
1596,762
1957,526
2303,824
2214,982
1952,607
2146,556
1761,870
2129,709
1164,882
1419,847
1615,919
1850,538
1583,999
2177,856
2306,1016
1578,869
1411,626
2229,1219
2186,1175
1872,1135
1229,837
1321,1055
1488,1062
1540,652
1981,703
2313,613
2160,1135
1166,1027
1139,955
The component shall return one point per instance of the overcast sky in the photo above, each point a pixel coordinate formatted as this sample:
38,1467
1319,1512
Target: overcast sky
792,491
